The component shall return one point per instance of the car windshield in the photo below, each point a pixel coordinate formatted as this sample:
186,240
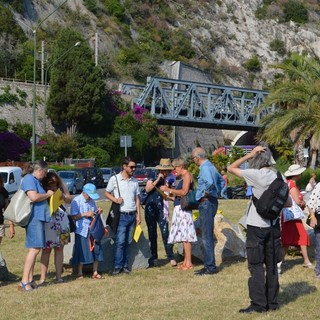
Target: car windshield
66,175
106,171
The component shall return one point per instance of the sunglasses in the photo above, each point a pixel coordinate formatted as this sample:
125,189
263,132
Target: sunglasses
132,167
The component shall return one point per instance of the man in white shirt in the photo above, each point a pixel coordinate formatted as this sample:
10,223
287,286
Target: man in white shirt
127,196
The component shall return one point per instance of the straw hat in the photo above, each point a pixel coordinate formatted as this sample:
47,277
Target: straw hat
294,170
165,164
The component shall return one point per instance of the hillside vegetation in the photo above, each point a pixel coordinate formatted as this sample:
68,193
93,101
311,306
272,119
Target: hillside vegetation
235,41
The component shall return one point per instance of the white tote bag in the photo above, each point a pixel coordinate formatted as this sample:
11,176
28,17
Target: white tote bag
19,209
293,213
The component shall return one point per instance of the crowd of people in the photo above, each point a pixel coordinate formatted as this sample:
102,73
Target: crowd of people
267,240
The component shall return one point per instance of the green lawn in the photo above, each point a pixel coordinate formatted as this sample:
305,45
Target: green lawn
157,293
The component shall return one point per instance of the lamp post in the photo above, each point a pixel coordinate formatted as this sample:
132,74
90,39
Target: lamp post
33,142
77,44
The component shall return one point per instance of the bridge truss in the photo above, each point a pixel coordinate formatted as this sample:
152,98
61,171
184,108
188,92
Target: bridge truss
194,104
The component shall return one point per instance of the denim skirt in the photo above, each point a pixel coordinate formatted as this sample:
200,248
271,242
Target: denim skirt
82,253
35,235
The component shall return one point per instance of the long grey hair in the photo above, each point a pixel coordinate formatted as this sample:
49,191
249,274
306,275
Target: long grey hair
262,159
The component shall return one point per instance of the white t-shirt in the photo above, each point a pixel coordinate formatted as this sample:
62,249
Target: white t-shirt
259,180
129,189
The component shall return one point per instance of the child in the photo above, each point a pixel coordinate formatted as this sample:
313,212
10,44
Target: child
83,209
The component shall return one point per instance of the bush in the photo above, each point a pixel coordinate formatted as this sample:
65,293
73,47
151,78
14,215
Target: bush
253,64
91,5
295,11
278,46
116,9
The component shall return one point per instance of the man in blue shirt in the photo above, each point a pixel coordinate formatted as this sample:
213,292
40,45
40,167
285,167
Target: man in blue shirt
210,183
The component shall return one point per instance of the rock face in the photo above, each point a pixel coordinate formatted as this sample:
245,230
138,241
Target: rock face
229,243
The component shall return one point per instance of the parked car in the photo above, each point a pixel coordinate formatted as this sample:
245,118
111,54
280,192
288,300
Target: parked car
96,177
11,177
73,180
85,174
142,176
116,170
152,173
106,173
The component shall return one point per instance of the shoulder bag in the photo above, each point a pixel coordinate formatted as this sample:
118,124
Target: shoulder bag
19,209
189,202
293,213
114,213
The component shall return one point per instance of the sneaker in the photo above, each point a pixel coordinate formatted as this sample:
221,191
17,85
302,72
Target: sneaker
116,271
205,272
250,310
126,270
60,280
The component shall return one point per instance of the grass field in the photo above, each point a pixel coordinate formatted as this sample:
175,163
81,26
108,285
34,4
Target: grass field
157,293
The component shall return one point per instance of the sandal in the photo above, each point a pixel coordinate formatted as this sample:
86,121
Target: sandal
97,276
33,284
79,277
308,265
184,267
22,286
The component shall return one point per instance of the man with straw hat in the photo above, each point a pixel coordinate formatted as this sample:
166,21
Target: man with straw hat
157,212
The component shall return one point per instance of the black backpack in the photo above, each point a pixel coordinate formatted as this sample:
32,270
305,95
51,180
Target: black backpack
272,200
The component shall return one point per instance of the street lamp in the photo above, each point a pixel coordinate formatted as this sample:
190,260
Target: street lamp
33,146
77,44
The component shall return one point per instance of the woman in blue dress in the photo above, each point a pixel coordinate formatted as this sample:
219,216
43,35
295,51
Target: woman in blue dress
35,234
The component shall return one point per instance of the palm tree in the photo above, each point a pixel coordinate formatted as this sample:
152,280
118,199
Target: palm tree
296,95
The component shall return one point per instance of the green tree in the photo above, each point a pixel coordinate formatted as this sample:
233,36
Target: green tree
297,99
23,130
147,136
57,147
235,154
101,156
77,100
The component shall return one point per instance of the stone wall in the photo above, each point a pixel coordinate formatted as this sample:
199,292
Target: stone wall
22,112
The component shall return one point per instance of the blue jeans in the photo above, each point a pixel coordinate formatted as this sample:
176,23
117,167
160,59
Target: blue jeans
208,210
154,216
224,193
124,237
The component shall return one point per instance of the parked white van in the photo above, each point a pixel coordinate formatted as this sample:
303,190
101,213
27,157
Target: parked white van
11,177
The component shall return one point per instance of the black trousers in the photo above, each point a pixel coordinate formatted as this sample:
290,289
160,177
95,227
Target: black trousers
264,252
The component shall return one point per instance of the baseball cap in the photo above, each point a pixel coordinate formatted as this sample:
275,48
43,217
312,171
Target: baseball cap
91,190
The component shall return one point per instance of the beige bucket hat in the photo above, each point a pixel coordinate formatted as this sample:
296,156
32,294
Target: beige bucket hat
165,164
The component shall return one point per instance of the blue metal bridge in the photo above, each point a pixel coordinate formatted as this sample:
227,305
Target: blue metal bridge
195,104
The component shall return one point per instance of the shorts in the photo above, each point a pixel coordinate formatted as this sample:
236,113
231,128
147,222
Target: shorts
2,231
35,235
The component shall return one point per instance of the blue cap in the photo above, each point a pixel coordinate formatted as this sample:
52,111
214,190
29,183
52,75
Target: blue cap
91,190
